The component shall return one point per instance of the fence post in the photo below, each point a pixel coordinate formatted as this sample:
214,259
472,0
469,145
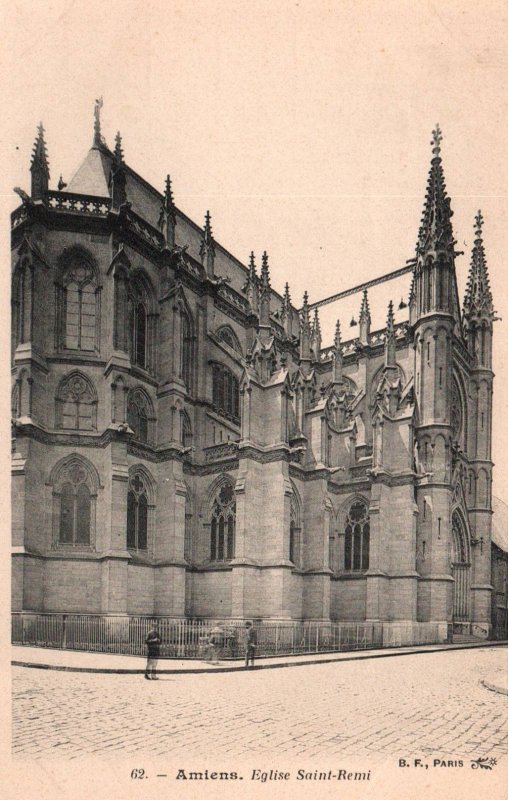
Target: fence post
317,637
64,631
276,638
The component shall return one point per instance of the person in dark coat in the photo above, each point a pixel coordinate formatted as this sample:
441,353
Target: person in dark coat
251,640
153,642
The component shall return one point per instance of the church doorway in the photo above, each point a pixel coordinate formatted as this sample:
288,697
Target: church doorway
461,573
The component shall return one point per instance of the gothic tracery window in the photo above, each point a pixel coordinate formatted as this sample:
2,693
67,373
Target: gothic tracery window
142,323
357,537
77,301
223,523
140,415
187,349
294,532
456,411
74,495
76,404
137,513
225,392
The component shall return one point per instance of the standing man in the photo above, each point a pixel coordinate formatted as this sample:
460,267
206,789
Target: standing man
251,640
153,642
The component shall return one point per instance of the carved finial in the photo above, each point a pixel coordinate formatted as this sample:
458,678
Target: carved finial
167,218
337,338
478,300
39,166
287,297
478,224
437,138
97,137
207,249
316,325
364,308
118,148
265,273
390,320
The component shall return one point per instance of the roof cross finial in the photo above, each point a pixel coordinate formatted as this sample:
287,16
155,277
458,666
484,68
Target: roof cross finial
97,137
437,138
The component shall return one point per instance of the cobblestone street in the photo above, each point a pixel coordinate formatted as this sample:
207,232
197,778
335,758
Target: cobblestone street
415,705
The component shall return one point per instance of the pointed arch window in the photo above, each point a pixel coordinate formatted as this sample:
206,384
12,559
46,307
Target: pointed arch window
140,415
142,323
223,525
185,430
357,538
74,500
78,301
76,404
294,532
22,303
187,350
137,513
226,392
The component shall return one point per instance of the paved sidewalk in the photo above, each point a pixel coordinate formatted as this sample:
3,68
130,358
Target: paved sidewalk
81,661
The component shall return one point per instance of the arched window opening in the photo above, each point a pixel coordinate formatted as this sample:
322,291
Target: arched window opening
74,505
185,430
76,404
140,415
187,349
142,323
294,532
22,296
187,546
357,538
77,302
228,336
137,514
222,525
226,392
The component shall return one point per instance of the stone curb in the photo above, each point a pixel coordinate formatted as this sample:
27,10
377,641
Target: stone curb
493,688
207,670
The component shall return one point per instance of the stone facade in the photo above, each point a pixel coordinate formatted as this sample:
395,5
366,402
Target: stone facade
185,446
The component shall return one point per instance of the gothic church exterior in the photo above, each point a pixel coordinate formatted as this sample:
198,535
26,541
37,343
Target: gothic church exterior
184,445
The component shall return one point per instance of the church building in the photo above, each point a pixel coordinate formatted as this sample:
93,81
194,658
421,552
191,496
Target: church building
184,445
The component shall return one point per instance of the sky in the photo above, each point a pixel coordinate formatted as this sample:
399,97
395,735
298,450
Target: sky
304,127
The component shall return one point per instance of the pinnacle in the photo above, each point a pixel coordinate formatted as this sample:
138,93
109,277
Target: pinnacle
364,309
252,266
436,229
39,154
337,337
168,194
478,296
390,320
118,148
207,229
287,296
265,271
316,324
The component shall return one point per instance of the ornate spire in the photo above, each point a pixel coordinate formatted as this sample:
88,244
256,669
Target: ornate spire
97,136
286,299
264,293
251,287
167,218
39,166
117,179
364,319
305,332
390,337
265,274
253,275
118,149
316,336
337,340
337,355
436,228
207,249
478,296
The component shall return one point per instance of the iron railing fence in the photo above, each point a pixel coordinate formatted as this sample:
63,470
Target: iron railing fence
188,638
